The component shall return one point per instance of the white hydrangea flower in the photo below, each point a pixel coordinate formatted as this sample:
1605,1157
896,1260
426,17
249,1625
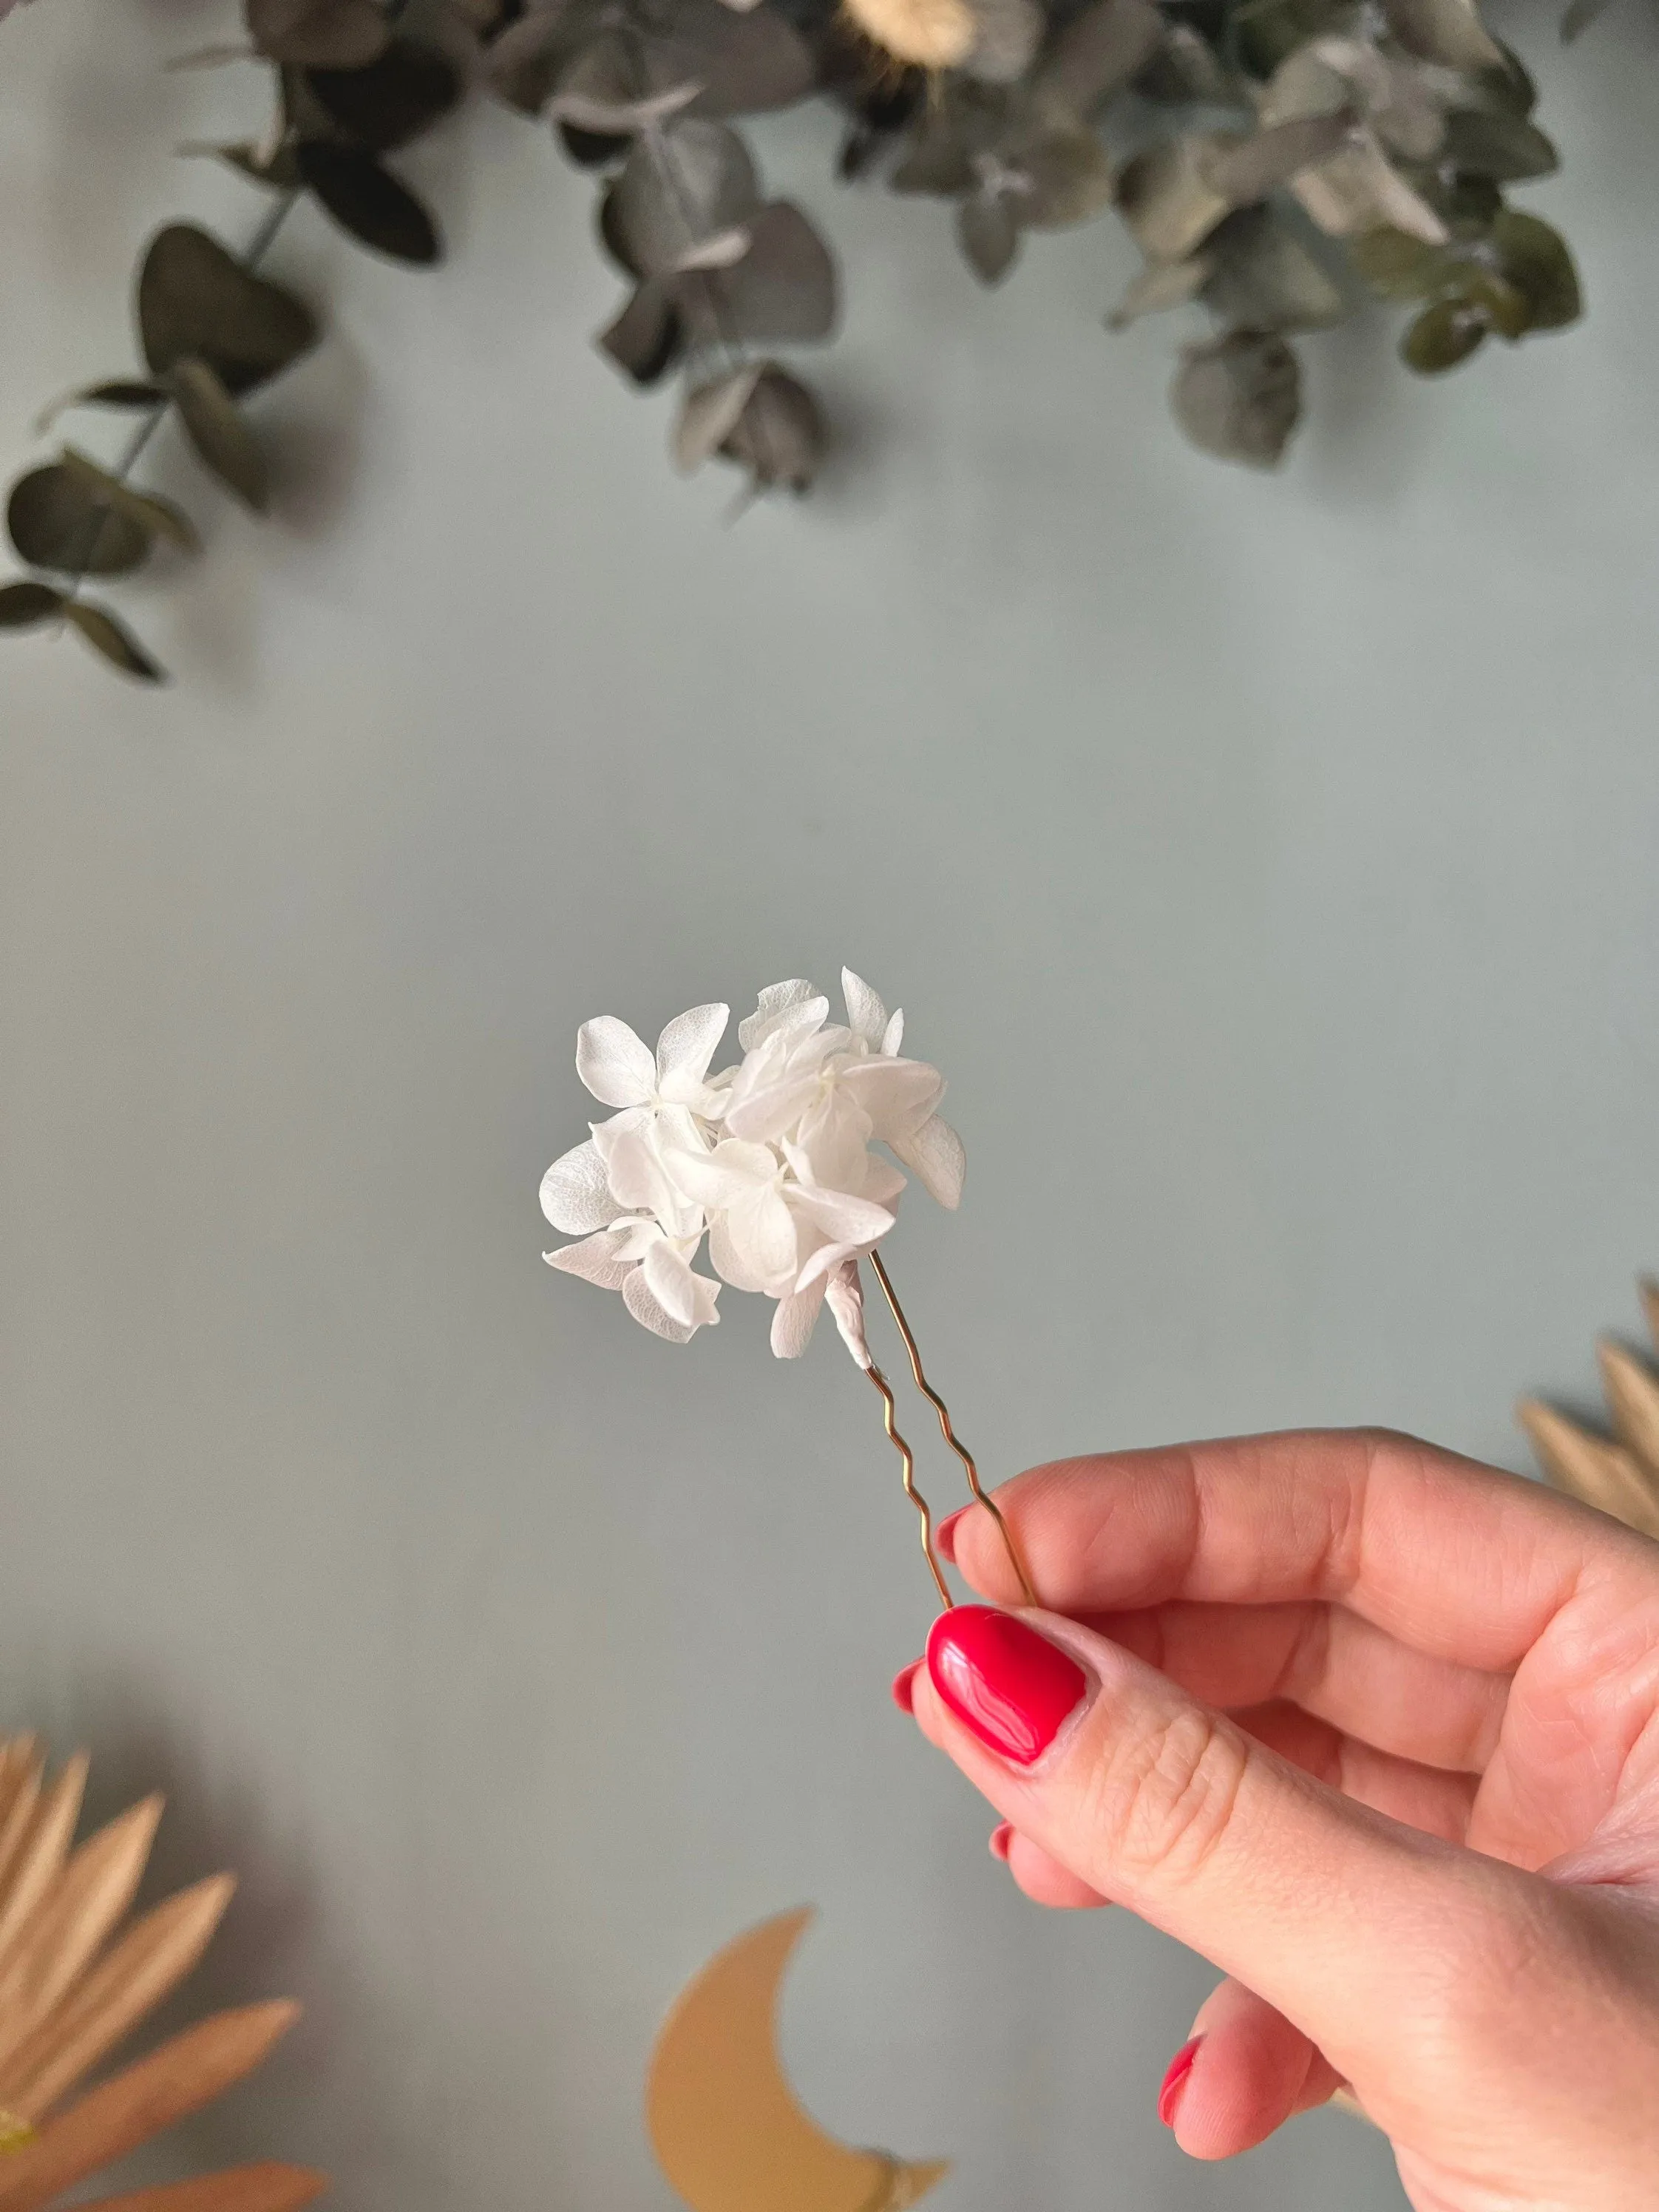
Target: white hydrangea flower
773,1160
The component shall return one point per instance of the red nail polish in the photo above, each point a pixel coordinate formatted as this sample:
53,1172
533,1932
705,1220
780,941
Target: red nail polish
1003,1680
944,1536
1175,2081
901,1682
1001,1836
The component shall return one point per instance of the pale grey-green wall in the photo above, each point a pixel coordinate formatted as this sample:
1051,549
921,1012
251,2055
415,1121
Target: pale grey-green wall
1270,862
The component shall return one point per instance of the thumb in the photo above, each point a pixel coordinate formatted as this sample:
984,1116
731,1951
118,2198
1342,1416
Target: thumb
1349,1924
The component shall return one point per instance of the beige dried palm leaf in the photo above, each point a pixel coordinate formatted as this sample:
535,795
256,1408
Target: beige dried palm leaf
77,1978
1620,1473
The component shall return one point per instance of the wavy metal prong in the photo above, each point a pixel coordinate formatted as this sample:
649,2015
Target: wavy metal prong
909,1458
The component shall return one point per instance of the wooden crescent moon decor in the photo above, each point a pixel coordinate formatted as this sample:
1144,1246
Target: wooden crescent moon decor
727,2129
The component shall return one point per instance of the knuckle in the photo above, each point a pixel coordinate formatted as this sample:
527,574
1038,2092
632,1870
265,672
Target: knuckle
1166,1796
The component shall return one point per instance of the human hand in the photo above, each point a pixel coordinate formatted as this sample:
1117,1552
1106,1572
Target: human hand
1377,1729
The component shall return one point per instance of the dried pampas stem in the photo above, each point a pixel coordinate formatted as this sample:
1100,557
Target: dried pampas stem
1618,1474
928,34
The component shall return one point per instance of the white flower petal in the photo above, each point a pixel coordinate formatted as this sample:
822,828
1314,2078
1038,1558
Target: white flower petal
843,1218
729,1260
793,1321
898,1095
575,1193
685,1048
619,1067
845,1292
596,1260
637,1296
893,1036
764,1115
776,1000
866,1017
762,1231
830,1143
728,1176
935,1156
669,1278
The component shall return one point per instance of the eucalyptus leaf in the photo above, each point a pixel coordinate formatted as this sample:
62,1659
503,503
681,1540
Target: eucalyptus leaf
1006,35
195,300
112,640
158,517
780,437
1239,397
1061,178
1265,279
1488,143
1359,189
56,520
318,34
1443,335
402,93
1160,285
679,185
1251,168
25,604
215,428
1506,308
709,413
963,121
1448,31
646,339
369,202
745,64
126,392
605,87
781,292
1396,265
1167,198
523,62
1095,55
987,234
592,149
1535,258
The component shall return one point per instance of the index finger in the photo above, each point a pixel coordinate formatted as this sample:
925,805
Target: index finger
1457,1559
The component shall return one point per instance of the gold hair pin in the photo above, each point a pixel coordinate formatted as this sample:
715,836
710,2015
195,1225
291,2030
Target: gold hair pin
790,1163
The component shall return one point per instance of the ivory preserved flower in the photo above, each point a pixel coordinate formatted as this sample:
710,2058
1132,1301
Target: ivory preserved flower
775,1161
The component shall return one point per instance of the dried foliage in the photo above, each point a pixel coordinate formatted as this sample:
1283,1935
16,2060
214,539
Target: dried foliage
1618,1473
78,1978
1278,163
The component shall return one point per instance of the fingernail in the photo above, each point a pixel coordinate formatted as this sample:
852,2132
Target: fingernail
944,1536
1010,1685
902,1681
1175,2081
1001,1836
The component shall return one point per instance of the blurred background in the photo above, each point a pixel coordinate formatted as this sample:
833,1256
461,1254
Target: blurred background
1269,862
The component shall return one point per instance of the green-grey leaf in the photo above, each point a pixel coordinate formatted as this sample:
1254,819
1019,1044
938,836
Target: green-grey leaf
1258,164
195,299
1265,279
318,34
1441,336
402,93
1095,55
58,521
1061,177
26,605
367,201
1166,197
678,187
1488,142
746,62
1159,286
221,438
780,436
1396,265
987,234
112,640
1448,31
781,292
1579,15
645,338
709,413
1535,259
159,517
1239,397
277,171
